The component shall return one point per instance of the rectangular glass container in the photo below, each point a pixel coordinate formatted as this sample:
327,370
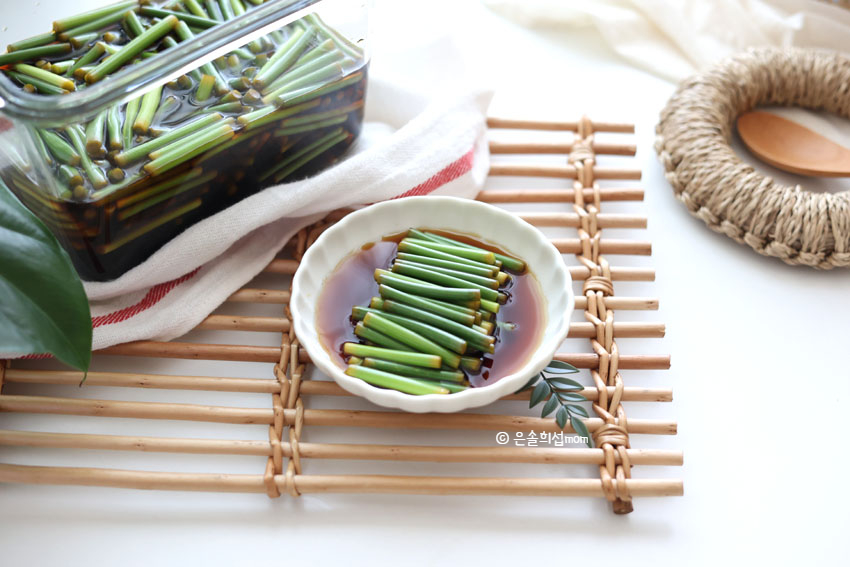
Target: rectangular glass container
217,110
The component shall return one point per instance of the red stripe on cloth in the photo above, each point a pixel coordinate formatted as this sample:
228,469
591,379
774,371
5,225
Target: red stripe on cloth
448,173
151,298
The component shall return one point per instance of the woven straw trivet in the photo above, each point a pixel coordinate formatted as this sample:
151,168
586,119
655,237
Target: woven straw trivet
789,223
296,434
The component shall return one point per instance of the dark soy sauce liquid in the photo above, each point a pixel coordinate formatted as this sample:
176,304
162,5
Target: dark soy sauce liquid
353,283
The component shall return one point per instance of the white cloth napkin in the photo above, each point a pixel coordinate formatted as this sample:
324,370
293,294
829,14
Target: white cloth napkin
438,148
675,39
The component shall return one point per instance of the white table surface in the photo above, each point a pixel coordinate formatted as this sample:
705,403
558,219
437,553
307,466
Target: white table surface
760,376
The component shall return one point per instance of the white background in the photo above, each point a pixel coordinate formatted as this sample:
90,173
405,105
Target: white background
760,375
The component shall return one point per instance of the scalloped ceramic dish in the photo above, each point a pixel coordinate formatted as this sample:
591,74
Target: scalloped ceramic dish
477,219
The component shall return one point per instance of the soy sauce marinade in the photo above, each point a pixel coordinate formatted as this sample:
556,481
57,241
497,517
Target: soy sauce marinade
518,323
280,108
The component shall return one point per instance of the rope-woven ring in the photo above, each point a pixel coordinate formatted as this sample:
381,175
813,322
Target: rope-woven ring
789,223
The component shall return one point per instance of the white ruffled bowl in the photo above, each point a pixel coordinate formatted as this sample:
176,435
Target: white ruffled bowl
448,213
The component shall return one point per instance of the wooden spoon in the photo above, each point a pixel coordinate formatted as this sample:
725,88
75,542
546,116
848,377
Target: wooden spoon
789,146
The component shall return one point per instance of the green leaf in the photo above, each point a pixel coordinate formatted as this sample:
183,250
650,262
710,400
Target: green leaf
581,429
539,394
561,417
571,397
565,383
530,383
558,367
550,406
578,409
43,308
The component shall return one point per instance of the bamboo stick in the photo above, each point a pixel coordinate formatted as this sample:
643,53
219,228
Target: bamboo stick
630,394
613,302
347,451
558,195
248,295
240,323
288,267
144,480
306,484
606,246
624,303
617,274
327,388
199,351
385,484
242,353
281,266
565,245
154,381
558,125
258,385
560,171
585,330
441,454
318,417
603,220
627,361
140,410
497,147
128,443
462,421
280,324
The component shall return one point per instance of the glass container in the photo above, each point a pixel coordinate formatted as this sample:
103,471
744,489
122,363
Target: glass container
172,111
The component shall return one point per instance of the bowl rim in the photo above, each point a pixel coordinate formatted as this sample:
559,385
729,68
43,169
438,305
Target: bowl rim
473,397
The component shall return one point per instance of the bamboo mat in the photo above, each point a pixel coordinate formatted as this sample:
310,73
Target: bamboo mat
297,406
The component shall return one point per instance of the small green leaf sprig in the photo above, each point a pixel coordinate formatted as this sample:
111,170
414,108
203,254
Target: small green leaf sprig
563,395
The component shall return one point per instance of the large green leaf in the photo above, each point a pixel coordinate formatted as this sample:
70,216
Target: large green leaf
43,308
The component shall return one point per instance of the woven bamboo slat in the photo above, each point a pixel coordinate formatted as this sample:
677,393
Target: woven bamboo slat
312,484
286,448
281,325
288,267
255,385
243,353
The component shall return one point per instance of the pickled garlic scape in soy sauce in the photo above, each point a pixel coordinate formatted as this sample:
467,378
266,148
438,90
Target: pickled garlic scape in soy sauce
277,109
517,326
